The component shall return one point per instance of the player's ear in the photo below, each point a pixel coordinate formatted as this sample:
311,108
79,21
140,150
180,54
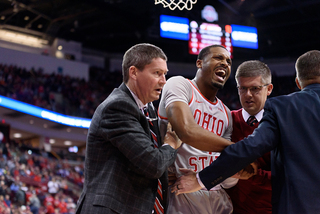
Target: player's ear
199,63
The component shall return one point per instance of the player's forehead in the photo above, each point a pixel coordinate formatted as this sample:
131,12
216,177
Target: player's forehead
220,51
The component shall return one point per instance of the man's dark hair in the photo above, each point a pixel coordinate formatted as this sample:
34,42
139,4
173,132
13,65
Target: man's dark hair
139,56
205,51
308,65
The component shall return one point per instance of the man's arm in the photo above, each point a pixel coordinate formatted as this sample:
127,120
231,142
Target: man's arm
191,182
124,126
183,123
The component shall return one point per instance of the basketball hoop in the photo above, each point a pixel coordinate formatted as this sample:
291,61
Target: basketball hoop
180,4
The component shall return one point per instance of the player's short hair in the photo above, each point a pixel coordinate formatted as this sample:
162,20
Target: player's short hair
205,51
139,56
254,68
308,65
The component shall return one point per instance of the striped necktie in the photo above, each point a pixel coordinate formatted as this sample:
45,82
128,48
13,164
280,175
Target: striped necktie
158,205
252,120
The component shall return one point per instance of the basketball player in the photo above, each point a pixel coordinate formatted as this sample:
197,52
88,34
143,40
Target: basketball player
198,116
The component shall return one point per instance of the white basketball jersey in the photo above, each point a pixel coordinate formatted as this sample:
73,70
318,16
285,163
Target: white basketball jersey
214,117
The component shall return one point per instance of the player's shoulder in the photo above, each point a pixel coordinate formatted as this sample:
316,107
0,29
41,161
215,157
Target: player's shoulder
177,83
176,79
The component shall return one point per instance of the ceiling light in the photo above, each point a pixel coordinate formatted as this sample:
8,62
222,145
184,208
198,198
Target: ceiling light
22,39
17,135
67,143
52,141
60,47
2,17
26,18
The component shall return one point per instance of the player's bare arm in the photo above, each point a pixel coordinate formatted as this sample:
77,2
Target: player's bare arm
183,123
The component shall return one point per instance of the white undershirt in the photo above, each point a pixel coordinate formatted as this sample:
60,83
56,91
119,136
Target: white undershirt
246,115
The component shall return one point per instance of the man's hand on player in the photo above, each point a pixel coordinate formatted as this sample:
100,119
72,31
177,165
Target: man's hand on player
187,183
172,178
247,172
171,138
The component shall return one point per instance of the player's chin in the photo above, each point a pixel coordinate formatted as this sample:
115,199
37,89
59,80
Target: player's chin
218,85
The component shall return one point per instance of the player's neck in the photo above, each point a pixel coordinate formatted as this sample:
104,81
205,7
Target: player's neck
208,92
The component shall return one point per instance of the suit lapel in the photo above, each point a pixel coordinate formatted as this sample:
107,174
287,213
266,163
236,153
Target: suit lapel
152,113
154,126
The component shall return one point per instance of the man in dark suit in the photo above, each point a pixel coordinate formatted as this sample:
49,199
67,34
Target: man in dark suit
290,130
124,160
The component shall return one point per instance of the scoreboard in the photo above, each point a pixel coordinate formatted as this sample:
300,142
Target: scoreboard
207,34
202,34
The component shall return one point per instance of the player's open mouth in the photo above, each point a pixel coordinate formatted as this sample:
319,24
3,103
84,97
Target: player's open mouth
221,74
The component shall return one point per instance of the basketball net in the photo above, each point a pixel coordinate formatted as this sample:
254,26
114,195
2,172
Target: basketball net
180,4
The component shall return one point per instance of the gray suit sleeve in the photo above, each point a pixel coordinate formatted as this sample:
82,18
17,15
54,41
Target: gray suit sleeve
126,128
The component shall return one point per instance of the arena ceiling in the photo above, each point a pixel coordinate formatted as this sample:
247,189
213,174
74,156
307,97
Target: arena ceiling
286,28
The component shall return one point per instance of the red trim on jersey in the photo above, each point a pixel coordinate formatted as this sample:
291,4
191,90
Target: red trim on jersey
225,109
164,118
191,97
213,103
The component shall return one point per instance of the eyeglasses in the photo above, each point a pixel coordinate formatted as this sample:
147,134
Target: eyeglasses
252,89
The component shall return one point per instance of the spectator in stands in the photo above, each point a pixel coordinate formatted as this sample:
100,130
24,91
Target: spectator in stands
6,151
15,186
61,205
24,210
50,208
20,197
3,163
2,202
53,185
4,189
71,206
34,204
7,200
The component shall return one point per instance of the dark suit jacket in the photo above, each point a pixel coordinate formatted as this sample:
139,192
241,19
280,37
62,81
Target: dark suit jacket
290,128
122,165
